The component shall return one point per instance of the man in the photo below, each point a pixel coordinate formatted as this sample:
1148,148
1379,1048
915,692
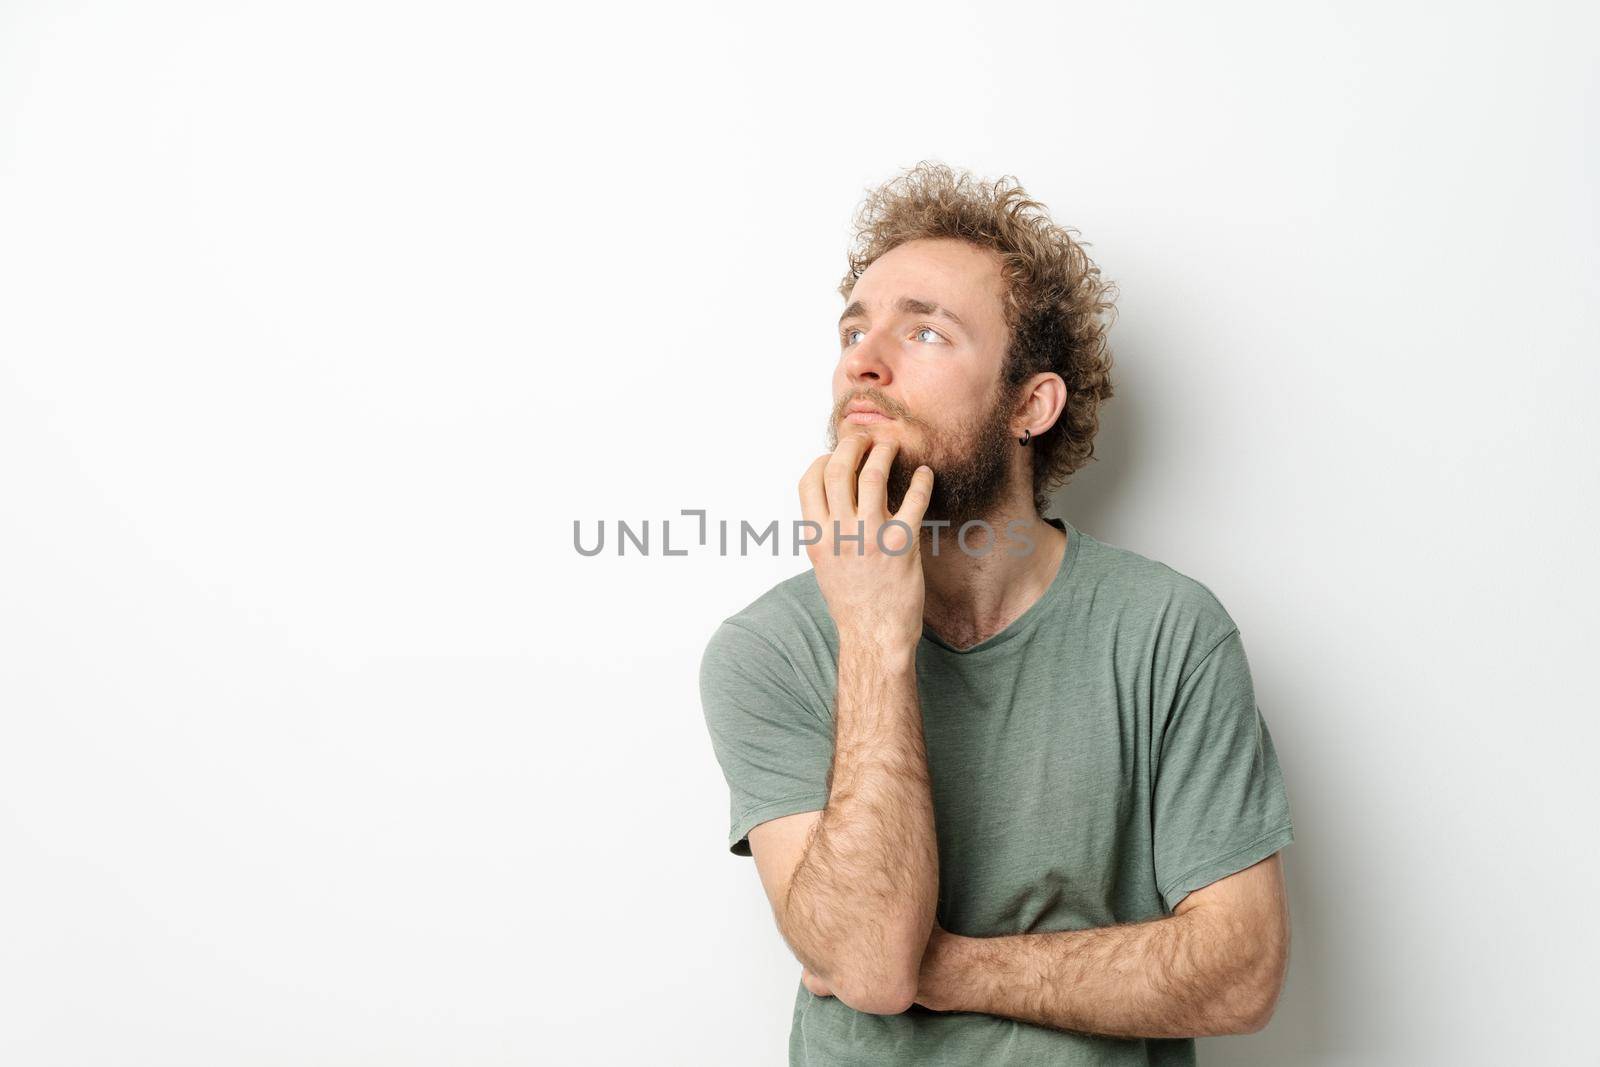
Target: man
1006,786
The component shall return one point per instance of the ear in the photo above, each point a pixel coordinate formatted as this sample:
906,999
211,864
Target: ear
1043,398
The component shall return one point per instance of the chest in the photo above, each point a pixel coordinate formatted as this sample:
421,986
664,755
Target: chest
1041,793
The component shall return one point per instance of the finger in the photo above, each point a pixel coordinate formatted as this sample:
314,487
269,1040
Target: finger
915,504
873,488
840,476
813,497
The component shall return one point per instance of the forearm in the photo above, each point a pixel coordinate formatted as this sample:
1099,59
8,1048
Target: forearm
861,903
1187,975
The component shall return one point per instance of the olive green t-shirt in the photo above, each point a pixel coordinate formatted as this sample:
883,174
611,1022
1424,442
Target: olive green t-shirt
1091,764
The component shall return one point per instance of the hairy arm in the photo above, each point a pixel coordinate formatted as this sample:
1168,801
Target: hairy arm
1215,966
860,906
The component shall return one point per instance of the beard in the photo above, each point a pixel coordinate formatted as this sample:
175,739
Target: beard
970,463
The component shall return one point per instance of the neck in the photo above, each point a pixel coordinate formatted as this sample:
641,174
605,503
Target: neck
972,596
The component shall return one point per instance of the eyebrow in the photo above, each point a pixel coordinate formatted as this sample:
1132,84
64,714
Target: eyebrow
908,304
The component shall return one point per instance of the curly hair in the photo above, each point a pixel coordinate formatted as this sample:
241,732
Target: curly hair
1057,308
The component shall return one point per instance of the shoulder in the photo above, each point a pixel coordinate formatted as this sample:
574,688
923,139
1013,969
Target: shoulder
1178,609
782,624
790,604
776,651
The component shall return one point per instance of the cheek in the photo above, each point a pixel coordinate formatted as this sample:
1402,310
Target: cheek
969,402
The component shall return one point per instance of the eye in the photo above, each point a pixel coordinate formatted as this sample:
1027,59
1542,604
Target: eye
938,338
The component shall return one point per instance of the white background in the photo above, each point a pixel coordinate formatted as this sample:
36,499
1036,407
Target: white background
322,323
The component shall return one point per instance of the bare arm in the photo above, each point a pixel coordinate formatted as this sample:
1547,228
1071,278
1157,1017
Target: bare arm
861,903
1215,966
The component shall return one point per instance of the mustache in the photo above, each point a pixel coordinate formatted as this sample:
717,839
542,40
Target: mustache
877,400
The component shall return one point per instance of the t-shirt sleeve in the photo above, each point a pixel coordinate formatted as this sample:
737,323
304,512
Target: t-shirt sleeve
775,749
1220,804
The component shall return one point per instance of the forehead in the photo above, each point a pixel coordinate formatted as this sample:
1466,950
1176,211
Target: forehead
949,272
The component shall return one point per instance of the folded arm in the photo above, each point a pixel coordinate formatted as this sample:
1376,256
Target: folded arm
1215,966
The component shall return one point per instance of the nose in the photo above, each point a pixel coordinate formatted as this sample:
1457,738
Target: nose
867,363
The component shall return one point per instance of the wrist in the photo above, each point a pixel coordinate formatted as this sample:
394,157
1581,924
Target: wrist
886,653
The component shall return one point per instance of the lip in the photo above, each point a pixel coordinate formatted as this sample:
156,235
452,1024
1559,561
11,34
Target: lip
864,411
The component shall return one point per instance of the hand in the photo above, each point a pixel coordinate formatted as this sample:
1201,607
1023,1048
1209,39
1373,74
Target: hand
873,586
813,983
